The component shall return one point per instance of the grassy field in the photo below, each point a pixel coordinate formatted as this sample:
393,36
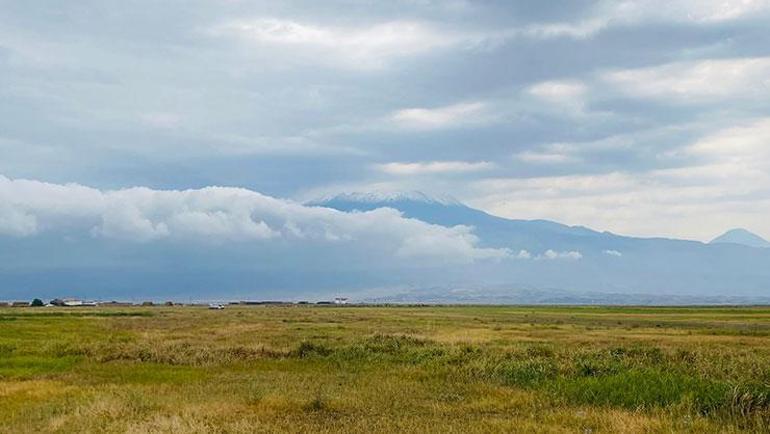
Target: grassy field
385,369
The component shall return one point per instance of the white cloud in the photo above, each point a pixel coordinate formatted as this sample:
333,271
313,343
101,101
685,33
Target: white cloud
380,44
562,97
696,201
436,239
572,152
616,202
613,253
545,157
434,167
550,255
441,117
523,254
364,47
696,11
14,222
632,12
697,81
733,162
553,255
223,215
558,91
730,162
427,119
747,143
577,30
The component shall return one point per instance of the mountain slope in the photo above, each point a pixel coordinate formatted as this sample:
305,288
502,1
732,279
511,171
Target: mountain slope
742,237
493,231
562,257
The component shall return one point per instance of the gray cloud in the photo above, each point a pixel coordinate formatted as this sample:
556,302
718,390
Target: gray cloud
526,109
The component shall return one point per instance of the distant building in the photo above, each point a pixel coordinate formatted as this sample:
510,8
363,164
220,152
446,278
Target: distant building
340,300
71,302
20,304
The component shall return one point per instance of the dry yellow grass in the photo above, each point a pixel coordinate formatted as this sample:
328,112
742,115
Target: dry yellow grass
367,369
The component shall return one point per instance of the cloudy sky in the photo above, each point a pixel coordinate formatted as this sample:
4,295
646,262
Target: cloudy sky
642,118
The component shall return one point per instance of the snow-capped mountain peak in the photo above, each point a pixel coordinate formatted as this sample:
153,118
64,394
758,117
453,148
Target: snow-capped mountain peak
385,197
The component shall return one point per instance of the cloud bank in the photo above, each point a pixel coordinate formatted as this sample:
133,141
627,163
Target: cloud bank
219,215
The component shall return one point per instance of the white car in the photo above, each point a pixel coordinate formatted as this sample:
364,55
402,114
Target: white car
216,306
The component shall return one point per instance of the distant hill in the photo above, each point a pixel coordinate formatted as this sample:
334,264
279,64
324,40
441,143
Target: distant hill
554,256
742,237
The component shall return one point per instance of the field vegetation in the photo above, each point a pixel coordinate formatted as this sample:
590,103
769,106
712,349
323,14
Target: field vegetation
385,369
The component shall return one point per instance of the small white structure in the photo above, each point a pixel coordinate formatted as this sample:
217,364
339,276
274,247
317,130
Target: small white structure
216,306
73,302
340,300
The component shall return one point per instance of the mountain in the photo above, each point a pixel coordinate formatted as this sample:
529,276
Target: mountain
493,231
553,256
311,254
742,237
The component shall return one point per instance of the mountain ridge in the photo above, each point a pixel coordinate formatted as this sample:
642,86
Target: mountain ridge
415,204
549,254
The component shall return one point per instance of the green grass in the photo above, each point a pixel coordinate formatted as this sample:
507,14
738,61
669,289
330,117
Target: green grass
377,369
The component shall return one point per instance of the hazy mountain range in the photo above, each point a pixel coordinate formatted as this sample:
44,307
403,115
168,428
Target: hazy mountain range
230,244
560,263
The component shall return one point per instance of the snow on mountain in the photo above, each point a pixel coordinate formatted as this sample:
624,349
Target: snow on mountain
384,197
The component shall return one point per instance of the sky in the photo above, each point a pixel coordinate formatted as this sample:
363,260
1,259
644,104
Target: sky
184,119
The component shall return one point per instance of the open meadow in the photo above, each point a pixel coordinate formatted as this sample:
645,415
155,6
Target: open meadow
385,369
